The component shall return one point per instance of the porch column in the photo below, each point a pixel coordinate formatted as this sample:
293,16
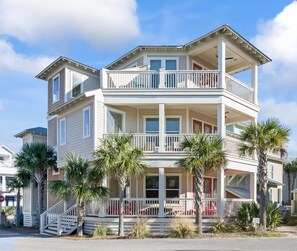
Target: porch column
161,191
161,127
221,192
221,120
255,82
32,203
253,186
221,62
102,209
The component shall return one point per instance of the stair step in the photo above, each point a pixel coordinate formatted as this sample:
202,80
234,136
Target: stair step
51,232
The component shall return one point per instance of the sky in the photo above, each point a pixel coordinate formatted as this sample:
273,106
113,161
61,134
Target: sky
96,32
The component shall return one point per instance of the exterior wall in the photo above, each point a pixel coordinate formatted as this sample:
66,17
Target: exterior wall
182,59
135,61
276,192
52,132
75,143
131,118
39,139
52,200
51,105
99,122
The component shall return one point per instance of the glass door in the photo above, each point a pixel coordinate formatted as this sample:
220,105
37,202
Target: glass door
170,79
155,65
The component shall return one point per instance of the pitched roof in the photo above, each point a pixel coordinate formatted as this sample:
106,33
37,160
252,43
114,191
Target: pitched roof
224,30
35,130
45,73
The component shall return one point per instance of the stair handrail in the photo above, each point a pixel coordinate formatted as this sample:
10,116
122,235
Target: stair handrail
71,211
50,215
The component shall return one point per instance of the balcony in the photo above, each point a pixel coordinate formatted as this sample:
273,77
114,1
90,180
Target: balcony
150,143
150,80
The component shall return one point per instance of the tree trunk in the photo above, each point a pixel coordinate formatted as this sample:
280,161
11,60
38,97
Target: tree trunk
39,201
263,178
289,188
18,208
80,214
198,187
122,183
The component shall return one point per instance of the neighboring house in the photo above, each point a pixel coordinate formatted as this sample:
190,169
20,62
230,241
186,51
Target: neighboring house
7,172
287,197
32,135
159,94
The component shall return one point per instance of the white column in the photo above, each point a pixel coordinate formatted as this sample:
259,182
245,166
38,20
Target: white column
253,186
221,62
221,191
102,209
4,183
104,78
255,82
162,78
161,127
188,121
161,191
221,120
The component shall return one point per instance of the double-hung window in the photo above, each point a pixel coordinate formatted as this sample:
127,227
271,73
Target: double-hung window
86,122
56,88
115,121
152,187
172,186
62,131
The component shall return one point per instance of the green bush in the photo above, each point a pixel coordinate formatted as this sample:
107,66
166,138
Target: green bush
101,231
139,230
246,213
8,210
181,228
223,226
292,221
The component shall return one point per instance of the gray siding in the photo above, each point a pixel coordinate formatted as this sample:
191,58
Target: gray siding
52,132
131,118
39,139
75,143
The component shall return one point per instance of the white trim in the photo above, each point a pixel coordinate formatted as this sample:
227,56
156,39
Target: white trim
95,128
88,108
57,76
117,111
137,120
84,77
199,64
60,139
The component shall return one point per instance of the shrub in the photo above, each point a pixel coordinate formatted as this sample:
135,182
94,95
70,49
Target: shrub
101,231
139,230
181,228
223,226
8,210
292,221
246,213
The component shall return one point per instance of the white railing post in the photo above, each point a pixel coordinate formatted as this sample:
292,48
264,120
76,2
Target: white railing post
161,127
255,82
162,78
221,191
102,209
221,62
104,78
161,191
42,223
59,226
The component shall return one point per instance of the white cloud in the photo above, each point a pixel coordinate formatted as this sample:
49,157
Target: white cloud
101,22
12,61
285,111
278,38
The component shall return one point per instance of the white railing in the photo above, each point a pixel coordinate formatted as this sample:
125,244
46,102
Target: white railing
173,142
162,79
231,145
146,142
51,215
238,88
232,206
66,219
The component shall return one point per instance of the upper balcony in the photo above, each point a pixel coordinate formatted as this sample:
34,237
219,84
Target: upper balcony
179,79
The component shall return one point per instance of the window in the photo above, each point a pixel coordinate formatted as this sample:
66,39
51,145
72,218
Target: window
172,125
0,183
7,180
115,121
56,88
172,186
76,80
152,187
152,125
86,122
270,171
63,131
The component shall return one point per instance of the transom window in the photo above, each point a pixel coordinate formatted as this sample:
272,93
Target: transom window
115,122
56,88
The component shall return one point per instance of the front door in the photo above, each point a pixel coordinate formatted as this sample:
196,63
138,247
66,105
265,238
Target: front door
197,126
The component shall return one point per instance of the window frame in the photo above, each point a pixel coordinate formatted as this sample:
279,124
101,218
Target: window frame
88,108
166,117
123,113
179,184
72,72
163,61
61,120
214,127
54,100
145,189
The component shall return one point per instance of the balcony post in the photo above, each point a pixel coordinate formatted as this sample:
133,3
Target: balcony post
221,120
253,186
221,192
221,62
104,79
161,191
161,127
162,78
255,82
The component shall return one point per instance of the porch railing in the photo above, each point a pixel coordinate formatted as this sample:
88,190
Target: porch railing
232,205
238,88
51,215
151,207
162,79
232,144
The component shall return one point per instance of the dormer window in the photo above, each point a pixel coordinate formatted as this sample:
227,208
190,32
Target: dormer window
56,88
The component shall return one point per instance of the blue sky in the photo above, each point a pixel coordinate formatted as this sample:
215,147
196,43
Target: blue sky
96,32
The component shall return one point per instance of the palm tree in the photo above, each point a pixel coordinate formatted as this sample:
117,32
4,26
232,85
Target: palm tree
18,182
290,169
82,182
204,153
36,158
118,158
262,138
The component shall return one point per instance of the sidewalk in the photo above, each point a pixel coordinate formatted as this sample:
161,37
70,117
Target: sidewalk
289,231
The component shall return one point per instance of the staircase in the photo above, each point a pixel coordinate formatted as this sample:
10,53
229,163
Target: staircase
56,221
